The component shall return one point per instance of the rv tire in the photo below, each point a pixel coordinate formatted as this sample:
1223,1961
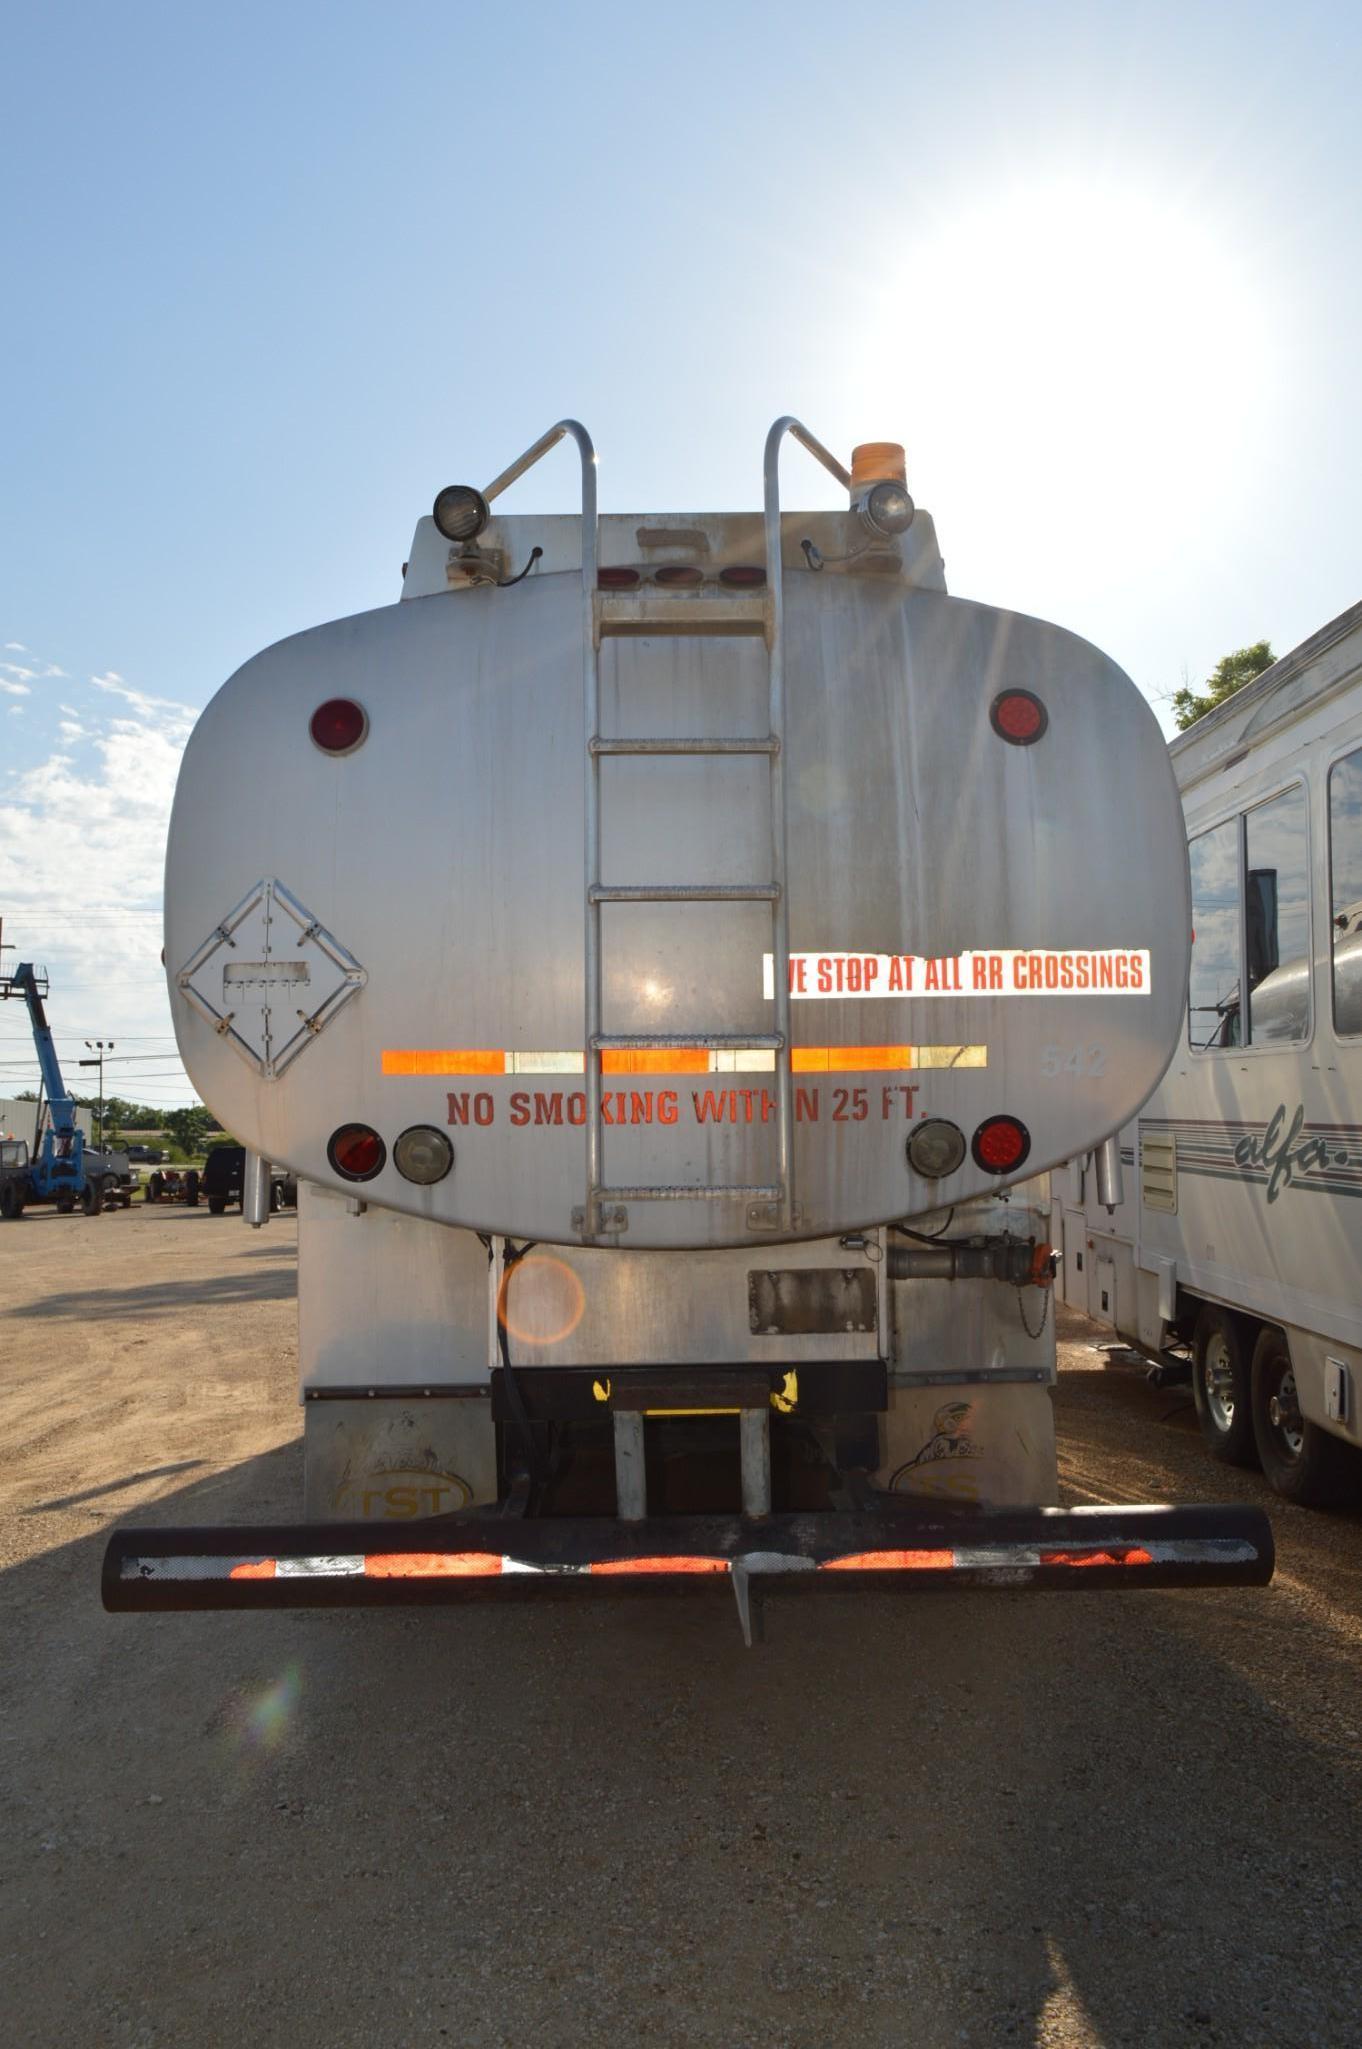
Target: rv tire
1221,1388
1302,1461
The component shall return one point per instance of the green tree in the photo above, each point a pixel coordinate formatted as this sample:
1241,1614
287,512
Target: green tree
1230,674
188,1128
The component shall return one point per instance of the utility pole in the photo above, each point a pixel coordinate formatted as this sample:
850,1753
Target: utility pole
98,1062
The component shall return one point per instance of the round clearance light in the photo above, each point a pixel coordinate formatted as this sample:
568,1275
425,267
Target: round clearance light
887,509
356,1152
1018,716
1000,1145
617,576
423,1154
936,1148
678,575
460,512
743,576
339,726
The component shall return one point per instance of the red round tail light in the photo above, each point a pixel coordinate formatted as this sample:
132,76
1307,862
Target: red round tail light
356,1152
339,725
616,577
744,576
1018,716
674,574
1000,1145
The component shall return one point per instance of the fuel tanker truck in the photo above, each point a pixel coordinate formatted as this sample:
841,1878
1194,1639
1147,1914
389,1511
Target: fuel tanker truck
670,951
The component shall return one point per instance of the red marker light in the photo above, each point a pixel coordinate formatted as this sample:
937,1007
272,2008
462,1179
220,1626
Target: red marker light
616,577
1000,1145
674,574
356,1152
745,576
1018,716
339,725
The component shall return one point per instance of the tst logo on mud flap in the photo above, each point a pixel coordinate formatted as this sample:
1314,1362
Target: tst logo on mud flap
401,1493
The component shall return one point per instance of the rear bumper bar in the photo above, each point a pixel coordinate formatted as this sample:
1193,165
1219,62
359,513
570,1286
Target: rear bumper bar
893,1543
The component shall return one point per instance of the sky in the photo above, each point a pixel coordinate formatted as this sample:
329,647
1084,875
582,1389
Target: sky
274,274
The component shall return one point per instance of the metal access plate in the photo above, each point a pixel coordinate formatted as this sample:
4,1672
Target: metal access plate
270,977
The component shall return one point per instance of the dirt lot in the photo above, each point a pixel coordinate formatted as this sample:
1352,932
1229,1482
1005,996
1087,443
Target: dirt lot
975,1817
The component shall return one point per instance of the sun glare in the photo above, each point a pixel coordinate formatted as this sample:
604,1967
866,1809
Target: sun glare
1063,343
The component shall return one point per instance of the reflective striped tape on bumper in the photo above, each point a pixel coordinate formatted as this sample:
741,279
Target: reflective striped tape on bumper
1010,1564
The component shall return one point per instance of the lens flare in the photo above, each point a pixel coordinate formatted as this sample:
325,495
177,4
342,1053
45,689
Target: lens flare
541,1300
268,1716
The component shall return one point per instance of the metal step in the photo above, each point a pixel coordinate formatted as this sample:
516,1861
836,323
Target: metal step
697,745
683,893
713,1042
686,1191
707,610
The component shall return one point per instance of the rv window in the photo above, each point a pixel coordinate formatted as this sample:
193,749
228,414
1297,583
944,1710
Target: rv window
1213,995
1278,920
1345,891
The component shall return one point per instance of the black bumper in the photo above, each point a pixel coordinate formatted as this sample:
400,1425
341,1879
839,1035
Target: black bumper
895,1542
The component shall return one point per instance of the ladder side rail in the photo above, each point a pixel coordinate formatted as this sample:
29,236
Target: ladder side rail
591,690
780,916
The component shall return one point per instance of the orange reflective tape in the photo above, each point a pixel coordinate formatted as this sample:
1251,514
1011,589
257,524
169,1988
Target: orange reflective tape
254,1568
850,1059
890,1561
869,1059
605,1566
1131,1554
655,1060
432,1565
439,1060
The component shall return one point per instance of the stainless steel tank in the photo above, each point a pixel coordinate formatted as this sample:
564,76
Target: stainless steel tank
985,887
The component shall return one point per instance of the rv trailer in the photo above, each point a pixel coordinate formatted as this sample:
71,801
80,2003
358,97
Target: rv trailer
670,951
1238,1236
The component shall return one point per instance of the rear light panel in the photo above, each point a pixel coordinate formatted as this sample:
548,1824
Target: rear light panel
356,1152
1000,1145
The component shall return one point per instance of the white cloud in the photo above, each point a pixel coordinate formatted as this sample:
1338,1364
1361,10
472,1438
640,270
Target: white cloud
8,683
84,841
15,647
16,711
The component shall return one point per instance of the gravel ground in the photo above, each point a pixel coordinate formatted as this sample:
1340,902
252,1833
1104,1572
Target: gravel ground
967,1817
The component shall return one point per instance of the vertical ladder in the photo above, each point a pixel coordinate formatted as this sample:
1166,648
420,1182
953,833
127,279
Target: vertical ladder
773,1202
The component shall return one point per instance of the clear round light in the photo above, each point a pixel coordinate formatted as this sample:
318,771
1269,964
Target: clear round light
887,509
936,1148
460,512
423,1155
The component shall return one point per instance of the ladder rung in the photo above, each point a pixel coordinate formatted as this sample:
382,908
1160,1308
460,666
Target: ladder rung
687,1192
699,744
683,893
714,1042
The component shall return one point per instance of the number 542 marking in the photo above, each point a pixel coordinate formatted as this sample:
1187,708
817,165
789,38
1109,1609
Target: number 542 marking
1087,1062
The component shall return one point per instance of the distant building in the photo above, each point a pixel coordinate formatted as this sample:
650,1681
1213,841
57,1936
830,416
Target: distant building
19,1120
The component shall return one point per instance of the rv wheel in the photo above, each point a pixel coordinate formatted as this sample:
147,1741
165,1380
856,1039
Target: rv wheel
1220,1386
65,1205
1302,1461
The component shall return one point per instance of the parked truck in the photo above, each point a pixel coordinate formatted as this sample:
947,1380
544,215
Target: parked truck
670,952
1235,1257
